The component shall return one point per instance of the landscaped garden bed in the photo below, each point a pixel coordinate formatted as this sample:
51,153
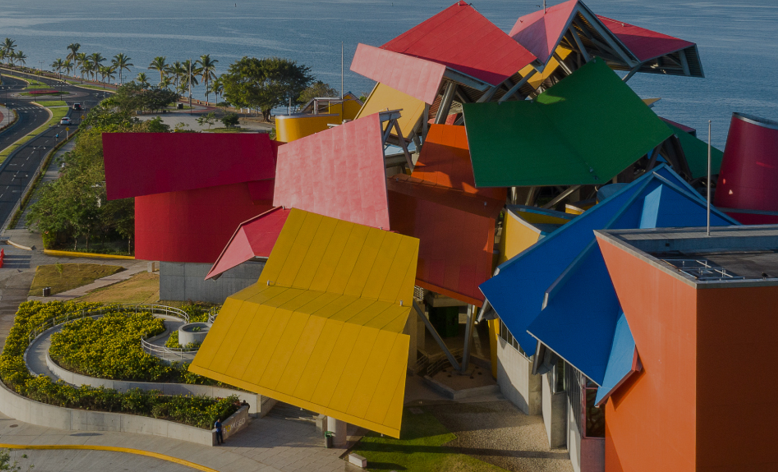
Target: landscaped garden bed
199,411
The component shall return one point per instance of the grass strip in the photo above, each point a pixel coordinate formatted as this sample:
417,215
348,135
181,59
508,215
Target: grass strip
421,447
52,103
63,277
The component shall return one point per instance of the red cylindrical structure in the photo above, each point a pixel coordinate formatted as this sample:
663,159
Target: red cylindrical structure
748,179
192,225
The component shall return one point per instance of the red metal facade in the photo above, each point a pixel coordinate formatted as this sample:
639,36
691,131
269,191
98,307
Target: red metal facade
138,164
541,31
464,40
644,43
412,76
337,173
191,225
749,170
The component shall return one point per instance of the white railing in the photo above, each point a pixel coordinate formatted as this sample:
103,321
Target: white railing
163,351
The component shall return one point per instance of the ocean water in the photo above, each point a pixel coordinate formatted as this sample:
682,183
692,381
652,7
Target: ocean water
737,40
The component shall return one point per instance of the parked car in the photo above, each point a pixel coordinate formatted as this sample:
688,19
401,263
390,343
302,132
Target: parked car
65,121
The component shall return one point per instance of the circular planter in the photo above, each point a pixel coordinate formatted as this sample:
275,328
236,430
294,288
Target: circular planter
192,333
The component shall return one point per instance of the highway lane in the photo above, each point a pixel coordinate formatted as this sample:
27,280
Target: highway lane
20,167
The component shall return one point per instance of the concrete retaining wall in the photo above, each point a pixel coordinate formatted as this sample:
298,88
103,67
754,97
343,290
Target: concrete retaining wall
514,376
254,400
186,281
50,416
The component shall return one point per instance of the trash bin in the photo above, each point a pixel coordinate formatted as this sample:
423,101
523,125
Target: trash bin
328,439
179,106
46,291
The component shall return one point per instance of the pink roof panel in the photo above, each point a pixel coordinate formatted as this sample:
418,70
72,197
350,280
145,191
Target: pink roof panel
644,43
540,32
138,164
464,40
412,76
338,173
253,238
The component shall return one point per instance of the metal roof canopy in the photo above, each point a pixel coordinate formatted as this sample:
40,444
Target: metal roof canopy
322,329
568,135
340,172
253,239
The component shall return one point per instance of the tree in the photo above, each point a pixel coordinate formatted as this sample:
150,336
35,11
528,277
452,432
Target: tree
97,60
207,68
73,54
166,82
122,63
230,120
68,66
108,72
160,65
217,88
20,57
178,71
9,45
264,83
81,60
58,65
142,80
207,119
318,89
189,80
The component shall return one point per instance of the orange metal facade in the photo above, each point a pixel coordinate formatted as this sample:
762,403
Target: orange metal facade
705,399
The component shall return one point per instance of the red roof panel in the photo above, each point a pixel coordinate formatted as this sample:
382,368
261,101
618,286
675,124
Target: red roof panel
644,43
541,31
139,164
461,38
337,173
412,76
445,161
253,238
456,233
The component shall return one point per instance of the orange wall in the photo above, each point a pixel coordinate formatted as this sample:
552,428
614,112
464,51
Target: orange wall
651,421
737,352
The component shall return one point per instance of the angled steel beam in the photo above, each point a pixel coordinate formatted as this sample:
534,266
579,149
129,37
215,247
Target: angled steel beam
445,103
471,312
435,335
580,45
561,196
632,72
516,87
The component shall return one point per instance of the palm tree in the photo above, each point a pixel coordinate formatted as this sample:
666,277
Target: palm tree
166,82
190,77
58,66
108,72
207,68
143,80
97,61
178,71
88,67
121,62
81,60
68,66
217,87
73,54
160,65
21,57
9,45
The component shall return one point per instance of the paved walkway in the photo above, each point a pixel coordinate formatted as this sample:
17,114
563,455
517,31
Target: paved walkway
131,268
90,461
266,445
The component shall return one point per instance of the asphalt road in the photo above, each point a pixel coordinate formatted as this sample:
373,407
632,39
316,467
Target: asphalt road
17,171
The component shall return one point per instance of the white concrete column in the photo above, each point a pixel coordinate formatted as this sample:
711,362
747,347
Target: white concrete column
338,429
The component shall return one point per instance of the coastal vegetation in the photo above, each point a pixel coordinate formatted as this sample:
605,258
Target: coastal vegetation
199,411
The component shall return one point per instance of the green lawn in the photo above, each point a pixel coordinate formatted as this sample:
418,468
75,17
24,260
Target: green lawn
57,114
52,103
62,277
230,130
421,447
140,288
93,87
27,94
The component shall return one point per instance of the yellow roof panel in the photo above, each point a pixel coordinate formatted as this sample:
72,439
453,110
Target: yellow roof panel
384,97
339,350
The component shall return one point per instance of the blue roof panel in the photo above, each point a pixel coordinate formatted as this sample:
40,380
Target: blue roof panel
622,361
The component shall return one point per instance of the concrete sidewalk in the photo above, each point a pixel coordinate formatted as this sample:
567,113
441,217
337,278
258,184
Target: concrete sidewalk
268,444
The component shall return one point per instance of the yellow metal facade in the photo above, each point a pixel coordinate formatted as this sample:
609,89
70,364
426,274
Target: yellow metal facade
292,127
322,328
384,97
519,232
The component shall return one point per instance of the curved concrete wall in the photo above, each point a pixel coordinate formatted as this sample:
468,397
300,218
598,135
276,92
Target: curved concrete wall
50,416
254,400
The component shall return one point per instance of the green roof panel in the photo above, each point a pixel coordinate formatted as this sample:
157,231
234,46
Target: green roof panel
583,130
696,152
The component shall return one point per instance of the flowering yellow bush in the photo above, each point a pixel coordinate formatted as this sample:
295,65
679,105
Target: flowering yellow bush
196,411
